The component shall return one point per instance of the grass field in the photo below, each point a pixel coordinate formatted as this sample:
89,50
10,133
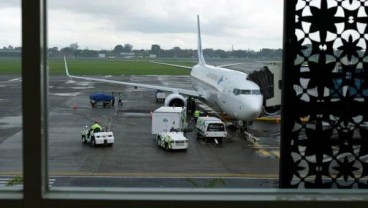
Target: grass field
10,65
101,67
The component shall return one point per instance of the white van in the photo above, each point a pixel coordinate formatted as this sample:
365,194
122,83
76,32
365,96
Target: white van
211,128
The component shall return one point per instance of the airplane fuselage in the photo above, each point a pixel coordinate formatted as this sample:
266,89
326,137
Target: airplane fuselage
224,89
228,91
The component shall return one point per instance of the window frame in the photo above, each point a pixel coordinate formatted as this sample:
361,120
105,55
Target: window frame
37,194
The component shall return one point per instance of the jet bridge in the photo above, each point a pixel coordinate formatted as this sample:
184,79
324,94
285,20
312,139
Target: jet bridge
268,79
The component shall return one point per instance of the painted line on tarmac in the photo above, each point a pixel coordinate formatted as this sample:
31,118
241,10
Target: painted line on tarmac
276,153
185,175
153,175
264,153
167,175
260,149
267,153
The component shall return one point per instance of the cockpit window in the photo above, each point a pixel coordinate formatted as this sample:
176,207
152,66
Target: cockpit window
246,92
256,92
236,91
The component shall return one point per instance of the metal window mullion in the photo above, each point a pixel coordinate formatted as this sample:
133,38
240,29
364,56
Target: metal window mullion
33,102
287,108
44,98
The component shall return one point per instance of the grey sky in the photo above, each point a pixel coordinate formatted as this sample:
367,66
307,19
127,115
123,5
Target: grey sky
141,23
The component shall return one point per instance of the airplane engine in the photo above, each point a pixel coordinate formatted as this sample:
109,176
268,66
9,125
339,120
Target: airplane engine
176,100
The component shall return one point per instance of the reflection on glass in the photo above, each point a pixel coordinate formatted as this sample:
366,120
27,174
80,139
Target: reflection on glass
118,40
11,165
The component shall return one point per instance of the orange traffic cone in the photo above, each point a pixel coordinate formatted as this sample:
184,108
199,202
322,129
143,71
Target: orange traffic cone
74,106
278,120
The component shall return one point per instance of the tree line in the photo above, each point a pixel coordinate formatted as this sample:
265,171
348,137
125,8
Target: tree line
127,51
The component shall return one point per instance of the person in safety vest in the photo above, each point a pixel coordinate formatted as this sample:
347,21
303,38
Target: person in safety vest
197,113
95,128
120,101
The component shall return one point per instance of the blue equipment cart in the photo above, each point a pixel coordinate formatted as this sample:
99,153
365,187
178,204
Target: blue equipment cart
100,99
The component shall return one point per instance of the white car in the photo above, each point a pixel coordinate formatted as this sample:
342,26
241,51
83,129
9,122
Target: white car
172,140
160,95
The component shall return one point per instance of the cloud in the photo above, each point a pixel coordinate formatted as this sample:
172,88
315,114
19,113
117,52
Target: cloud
141,23
10,24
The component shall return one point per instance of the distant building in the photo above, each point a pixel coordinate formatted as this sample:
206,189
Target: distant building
127,55
101,55
153,56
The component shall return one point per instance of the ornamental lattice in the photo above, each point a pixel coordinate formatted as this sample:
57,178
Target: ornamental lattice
325,95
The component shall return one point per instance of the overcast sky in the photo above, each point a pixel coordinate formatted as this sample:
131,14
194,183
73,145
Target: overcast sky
103,24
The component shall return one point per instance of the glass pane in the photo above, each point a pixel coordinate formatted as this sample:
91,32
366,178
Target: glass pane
11,165
118,41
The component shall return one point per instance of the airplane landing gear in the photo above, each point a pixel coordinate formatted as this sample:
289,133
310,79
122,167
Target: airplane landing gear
241,126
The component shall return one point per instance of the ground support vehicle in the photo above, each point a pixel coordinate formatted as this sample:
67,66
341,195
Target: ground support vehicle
172,141
100,99
160,95
97,138
211,128
166,118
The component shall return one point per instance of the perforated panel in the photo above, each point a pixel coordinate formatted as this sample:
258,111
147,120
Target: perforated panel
325,95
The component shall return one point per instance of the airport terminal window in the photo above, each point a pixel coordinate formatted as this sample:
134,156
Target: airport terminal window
11,163
102,197
70,153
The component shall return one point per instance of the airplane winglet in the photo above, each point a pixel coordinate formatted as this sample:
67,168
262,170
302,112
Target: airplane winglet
201,60
66,67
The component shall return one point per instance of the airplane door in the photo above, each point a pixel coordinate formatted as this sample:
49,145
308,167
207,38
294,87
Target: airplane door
225,93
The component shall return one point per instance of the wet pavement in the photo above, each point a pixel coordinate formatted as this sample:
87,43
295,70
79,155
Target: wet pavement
135,153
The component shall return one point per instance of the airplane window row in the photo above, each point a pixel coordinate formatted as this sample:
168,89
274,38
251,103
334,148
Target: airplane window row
246,92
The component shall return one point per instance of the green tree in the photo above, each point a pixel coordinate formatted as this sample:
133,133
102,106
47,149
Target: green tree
118,49
128,48
155,49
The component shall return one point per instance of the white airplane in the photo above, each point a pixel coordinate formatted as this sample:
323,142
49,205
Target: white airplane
227,91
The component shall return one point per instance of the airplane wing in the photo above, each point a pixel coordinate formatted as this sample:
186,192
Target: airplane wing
180,66
226,65
192,93
188,67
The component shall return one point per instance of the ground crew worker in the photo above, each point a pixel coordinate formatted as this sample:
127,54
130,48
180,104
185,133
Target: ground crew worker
197,113
191,105
113,99
120,102
95,128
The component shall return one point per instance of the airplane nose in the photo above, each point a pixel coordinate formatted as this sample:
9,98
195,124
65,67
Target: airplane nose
251,107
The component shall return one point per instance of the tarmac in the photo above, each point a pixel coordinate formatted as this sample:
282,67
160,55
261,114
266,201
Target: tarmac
134,158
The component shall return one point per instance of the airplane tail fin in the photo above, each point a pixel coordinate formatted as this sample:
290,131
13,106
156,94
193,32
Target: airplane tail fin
201,60
66,67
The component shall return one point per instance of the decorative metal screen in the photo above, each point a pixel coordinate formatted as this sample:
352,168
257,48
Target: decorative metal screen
325,95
